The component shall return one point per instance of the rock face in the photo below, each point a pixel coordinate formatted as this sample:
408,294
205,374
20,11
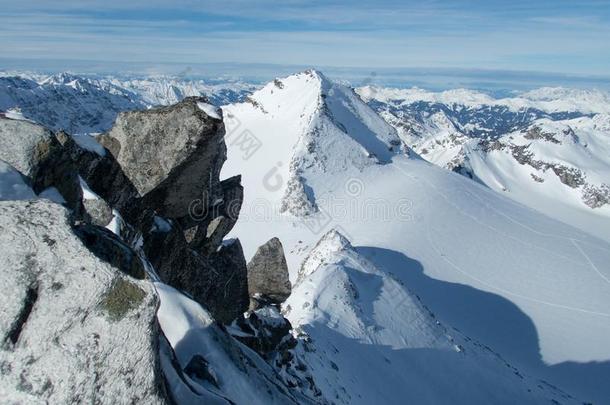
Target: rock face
172,155
268,278
218,281
219,221
75,329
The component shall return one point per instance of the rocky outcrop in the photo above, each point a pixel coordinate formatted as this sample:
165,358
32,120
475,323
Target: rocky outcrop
75,329
231,300
172,155
268,279
76,292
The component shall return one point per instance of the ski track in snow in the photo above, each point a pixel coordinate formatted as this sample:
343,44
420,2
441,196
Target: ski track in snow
490,286
575,242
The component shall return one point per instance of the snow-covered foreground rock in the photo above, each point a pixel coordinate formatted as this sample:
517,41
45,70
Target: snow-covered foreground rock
534,290
127,283
71,323
547,149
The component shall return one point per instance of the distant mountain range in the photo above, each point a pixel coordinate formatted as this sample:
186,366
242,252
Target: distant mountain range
79,104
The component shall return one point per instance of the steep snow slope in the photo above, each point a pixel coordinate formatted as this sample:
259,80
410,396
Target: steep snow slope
533,289
384,346
323,128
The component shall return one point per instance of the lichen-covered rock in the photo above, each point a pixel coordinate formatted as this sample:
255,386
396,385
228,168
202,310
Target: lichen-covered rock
268,277
98,210
172,155
73,328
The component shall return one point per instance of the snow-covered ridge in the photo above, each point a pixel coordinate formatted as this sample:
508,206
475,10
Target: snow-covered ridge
546,148
364,320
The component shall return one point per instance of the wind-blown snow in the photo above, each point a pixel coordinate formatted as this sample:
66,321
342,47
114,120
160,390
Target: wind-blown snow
88,142
210,110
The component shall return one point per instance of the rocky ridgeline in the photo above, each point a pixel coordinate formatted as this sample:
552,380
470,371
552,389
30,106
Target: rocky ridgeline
79,295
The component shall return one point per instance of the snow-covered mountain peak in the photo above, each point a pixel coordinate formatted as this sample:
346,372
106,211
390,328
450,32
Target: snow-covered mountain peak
322,126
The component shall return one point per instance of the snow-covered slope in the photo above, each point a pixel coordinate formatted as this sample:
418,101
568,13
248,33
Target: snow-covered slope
561,168
546,148
384,346
534,290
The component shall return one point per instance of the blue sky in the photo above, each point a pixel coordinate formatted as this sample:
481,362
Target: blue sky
567,37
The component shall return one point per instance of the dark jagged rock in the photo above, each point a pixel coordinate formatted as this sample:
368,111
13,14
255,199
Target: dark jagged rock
231,300
268,274
209,233
266,331
172,155
102,173
217,281
109,248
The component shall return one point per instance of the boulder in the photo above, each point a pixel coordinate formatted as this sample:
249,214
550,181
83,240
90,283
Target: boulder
73,328
98,210
35,152
172,155
268,278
